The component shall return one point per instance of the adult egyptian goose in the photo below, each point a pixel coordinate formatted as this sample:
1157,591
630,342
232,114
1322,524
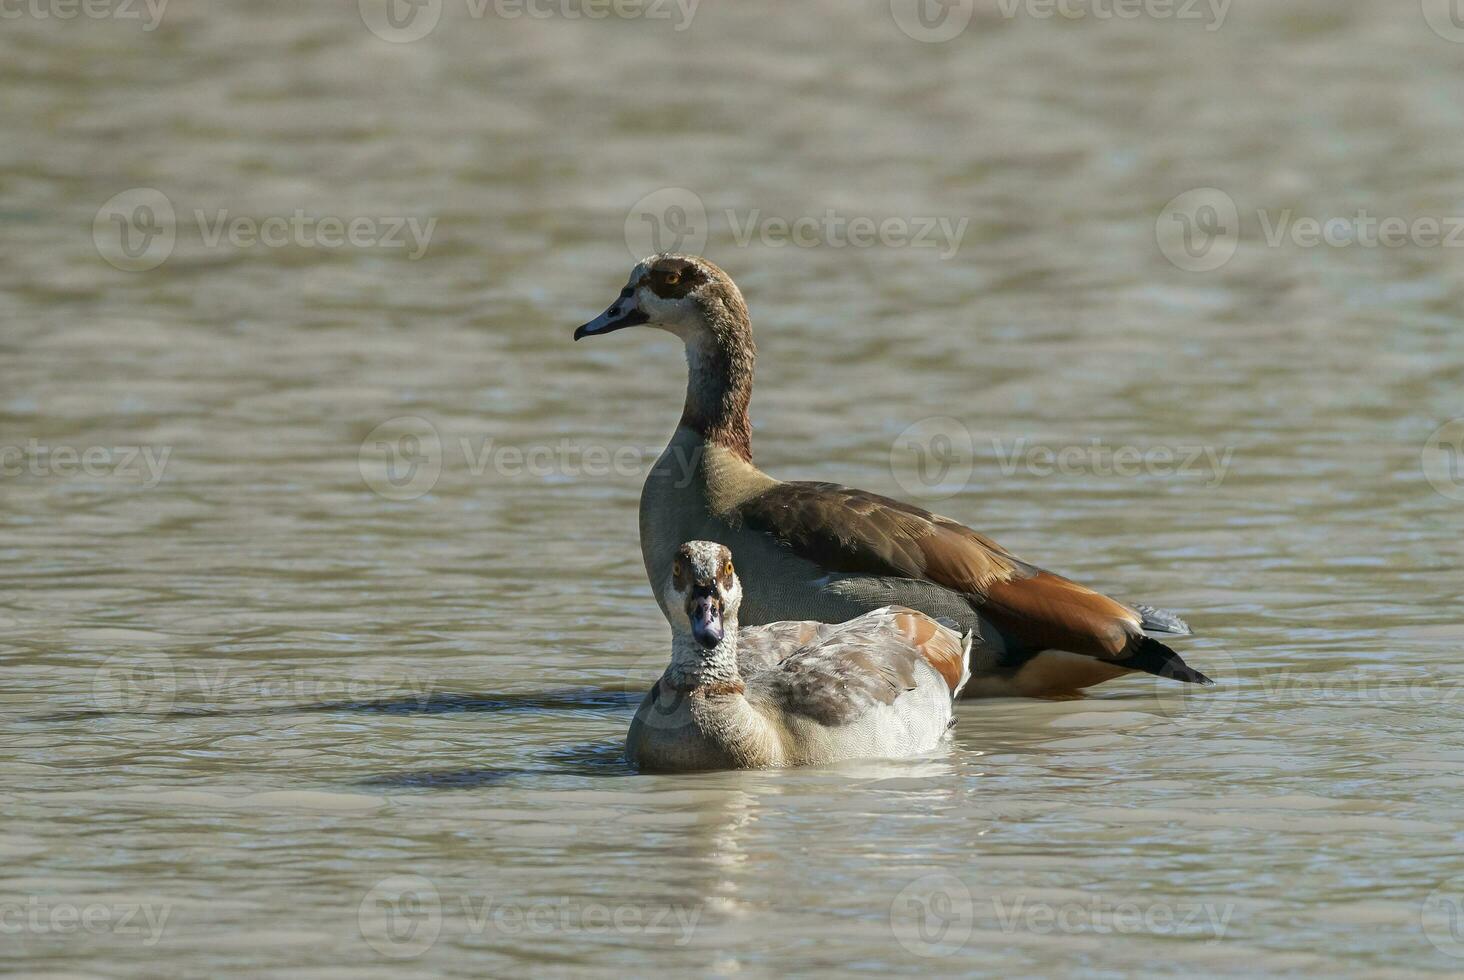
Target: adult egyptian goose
789,694
826,552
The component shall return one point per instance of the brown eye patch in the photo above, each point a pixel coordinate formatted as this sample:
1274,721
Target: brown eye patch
726,574
674,278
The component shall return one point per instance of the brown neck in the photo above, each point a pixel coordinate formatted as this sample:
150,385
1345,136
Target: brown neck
719,386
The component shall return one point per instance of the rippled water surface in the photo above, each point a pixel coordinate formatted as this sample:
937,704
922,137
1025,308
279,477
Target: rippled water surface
267,709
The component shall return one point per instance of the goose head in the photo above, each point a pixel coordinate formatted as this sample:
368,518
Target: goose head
683,294
703,594
698,302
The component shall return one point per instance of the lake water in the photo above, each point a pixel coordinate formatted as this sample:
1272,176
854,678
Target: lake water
322,605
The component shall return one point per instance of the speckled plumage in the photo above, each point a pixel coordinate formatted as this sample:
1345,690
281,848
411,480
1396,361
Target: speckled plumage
881,685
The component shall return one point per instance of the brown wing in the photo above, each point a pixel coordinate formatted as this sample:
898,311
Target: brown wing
838,680
847,530
761,647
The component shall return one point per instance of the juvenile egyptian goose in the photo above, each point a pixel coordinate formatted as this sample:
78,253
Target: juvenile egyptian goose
826,552
789,694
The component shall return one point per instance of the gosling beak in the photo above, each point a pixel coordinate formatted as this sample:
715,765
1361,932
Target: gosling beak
622,313
706,620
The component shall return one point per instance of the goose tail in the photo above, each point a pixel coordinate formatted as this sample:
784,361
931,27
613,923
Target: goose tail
966,639
1156,620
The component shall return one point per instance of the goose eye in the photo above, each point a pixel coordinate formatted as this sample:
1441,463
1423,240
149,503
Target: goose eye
672,278
678,575
727,574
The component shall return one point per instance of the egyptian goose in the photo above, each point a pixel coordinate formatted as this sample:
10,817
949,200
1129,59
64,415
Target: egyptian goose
880,686
827,552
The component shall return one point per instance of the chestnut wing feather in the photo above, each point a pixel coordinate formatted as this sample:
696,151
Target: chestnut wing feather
847,530
941,647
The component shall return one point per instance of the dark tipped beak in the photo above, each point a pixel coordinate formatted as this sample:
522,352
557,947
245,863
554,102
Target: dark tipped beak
706,621
621,315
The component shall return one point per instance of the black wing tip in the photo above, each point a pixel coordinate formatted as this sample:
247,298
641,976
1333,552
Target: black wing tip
1153,657
1197,678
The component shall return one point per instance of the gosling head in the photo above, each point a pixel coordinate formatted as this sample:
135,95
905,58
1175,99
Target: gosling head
683,294
703,594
